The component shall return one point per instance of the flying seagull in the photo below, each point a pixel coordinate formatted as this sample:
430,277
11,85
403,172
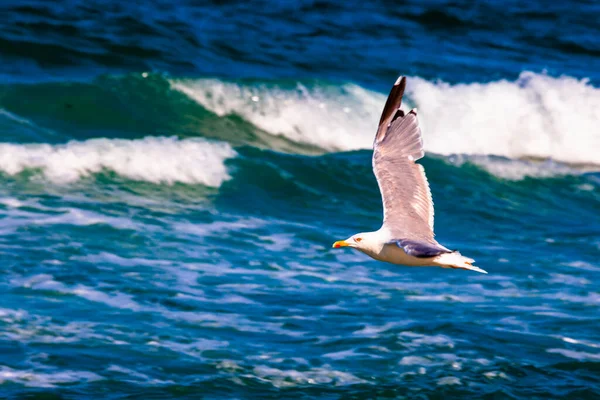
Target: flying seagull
406,236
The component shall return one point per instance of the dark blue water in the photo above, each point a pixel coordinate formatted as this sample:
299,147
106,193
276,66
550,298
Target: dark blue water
172,176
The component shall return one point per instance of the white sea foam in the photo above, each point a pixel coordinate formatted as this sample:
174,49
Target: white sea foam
219,227
11,202
44,379
448,380
415,360
290,378
194,349
374,331
47,282
536,115
416,340
130,375
584,265
152,159
577,355
496,374
517,169
330,117
579,342
17,218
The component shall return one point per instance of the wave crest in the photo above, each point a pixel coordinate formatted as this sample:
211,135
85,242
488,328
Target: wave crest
535,116
152,159
330,117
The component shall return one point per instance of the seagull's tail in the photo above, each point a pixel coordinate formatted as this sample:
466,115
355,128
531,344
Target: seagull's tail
456,260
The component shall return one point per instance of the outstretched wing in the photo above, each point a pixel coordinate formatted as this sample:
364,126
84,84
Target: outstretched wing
407,203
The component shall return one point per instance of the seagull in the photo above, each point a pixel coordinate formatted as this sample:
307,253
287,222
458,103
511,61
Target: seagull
406,236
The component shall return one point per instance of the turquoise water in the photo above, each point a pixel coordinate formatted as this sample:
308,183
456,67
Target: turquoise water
172,178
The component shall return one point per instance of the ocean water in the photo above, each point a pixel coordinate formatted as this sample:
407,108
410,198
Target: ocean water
173,174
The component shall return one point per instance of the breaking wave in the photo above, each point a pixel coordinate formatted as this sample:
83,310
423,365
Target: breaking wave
152,159
149,128
535,116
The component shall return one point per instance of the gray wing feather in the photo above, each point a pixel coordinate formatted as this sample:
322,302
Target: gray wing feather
420,249
407,203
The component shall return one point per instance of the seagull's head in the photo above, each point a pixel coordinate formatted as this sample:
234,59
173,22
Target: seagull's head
366,242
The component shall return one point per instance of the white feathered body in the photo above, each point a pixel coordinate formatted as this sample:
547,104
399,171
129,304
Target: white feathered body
377,245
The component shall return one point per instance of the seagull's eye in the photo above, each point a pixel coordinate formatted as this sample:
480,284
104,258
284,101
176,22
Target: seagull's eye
357,239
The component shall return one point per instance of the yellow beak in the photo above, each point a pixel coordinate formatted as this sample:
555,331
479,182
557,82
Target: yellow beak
340,243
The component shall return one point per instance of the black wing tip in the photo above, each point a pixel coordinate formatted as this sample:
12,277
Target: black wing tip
393,102
399,114
401,81
399,87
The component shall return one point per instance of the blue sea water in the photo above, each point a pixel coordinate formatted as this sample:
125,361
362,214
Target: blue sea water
173,174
